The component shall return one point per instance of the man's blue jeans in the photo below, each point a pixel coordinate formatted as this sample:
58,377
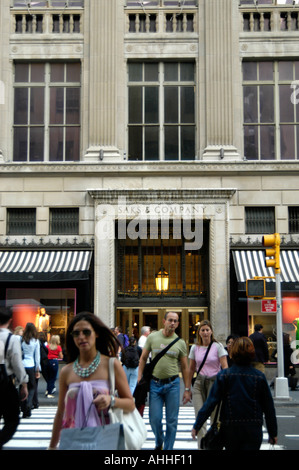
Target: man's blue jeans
168,394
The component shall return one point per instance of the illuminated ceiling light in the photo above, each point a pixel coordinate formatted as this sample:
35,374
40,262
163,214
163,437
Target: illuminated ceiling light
162,280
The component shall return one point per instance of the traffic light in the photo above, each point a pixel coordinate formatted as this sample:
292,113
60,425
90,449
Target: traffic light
255,288
272,253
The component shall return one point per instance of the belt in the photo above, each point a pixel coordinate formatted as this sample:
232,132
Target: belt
165,381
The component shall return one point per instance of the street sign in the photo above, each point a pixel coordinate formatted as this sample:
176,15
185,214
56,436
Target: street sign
255,288
269,306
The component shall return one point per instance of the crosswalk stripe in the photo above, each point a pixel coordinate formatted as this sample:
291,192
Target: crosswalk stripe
35,432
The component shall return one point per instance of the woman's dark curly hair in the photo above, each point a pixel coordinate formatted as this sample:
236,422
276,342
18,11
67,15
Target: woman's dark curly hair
106,342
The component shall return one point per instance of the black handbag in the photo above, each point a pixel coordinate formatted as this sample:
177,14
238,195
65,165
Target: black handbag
213,439
201,365
143,386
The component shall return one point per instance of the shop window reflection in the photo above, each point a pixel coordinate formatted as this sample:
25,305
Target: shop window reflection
49,309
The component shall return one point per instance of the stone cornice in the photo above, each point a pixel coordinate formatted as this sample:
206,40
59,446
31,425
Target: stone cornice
196,168
160,195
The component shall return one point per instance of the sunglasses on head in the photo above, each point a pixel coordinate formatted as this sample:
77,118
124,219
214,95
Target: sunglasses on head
76,333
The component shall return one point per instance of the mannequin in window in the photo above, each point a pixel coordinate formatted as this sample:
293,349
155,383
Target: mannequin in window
43,322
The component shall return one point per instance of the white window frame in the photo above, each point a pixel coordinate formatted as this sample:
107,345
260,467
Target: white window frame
162,84
276,82
47,85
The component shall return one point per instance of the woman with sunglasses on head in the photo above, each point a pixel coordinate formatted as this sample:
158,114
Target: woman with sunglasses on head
85,379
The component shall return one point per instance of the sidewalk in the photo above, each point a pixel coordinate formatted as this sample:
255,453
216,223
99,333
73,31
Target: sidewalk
42,399
292,401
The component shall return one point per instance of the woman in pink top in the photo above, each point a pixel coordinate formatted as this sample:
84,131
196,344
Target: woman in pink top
215,361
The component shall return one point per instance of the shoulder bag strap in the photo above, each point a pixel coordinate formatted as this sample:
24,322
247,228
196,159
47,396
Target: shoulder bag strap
215,420
111,375
204,359
6,344
164,351
152,364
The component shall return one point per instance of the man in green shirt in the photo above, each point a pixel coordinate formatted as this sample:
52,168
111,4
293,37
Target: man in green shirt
165,383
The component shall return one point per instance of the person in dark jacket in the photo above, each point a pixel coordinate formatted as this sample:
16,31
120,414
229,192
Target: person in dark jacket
246,399
260,346
130,360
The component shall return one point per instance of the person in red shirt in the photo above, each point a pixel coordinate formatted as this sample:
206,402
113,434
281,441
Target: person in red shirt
54,353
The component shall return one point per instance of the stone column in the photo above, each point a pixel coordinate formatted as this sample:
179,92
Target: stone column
105,37
104,264
221,72
219,269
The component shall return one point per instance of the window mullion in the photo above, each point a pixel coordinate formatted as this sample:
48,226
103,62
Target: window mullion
259,120
64,114
47,114
161,111
28,123
143,125
64,125
276,112
28,114
179,122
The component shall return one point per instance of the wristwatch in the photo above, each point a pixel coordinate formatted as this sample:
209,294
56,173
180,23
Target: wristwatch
112,403
187,389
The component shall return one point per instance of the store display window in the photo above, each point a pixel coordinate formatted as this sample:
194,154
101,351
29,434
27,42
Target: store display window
49,309
259,313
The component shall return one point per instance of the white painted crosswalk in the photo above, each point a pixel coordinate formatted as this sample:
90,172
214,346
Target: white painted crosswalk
34,433
183,440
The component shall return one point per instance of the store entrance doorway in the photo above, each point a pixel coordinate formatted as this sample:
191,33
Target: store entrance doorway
133,319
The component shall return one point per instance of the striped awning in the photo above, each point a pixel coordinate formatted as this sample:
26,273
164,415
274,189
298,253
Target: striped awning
44,265
251,263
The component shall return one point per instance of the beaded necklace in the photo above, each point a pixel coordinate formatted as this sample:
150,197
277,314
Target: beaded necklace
87,371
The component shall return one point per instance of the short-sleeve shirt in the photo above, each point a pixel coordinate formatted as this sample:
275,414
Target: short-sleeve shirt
212,364
54,353
168,365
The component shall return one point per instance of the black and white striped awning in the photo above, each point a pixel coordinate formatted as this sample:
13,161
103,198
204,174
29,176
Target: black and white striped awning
251,263
44,265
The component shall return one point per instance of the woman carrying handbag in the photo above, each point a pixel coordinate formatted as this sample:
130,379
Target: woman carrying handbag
84,381
207,357
245,398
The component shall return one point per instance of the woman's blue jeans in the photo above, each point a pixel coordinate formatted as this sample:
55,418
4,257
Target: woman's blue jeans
168,394
132,376
52,375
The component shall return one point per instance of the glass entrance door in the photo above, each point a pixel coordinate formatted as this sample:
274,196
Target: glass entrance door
133,319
